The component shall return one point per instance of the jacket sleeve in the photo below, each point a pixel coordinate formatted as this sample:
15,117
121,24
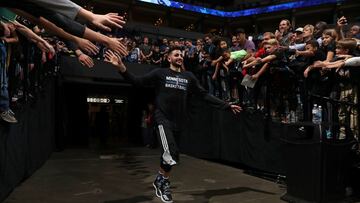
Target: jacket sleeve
198,90
65,7
148,79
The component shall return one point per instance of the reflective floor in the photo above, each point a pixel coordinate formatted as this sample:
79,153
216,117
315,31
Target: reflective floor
126,175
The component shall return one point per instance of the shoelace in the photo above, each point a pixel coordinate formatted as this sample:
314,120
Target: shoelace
166,187
158,181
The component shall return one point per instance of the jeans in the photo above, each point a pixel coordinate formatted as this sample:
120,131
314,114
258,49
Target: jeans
213,85
4,94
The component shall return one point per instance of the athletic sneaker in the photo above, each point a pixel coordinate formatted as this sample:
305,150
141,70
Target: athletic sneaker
8,116
165,192
157,184
162,188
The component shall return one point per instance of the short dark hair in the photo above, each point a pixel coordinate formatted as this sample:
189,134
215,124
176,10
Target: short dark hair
313,43
347,43
223,51
173,48
208,35
238,31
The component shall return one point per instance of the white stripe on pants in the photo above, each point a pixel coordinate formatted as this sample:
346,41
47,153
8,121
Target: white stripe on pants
166,155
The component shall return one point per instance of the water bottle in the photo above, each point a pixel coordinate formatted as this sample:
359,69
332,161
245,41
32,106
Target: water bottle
319,114
314,113
293,118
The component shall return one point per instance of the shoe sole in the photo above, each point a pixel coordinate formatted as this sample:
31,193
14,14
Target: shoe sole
160,195
156,191
162,199
9,121
165,200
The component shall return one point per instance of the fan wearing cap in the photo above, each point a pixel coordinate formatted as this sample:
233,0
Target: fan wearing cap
307,34
244,43
298,35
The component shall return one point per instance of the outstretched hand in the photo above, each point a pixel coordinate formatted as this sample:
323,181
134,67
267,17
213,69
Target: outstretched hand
86,60
114,59
117,46
86,46
235,108
109,20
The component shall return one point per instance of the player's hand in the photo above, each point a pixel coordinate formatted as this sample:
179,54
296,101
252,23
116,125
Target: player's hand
235,108
115,60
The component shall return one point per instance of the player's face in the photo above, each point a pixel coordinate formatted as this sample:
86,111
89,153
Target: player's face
176,58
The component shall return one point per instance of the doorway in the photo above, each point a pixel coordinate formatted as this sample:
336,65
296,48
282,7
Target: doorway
108,121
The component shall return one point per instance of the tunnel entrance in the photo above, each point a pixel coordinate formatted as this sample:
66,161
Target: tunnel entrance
100,116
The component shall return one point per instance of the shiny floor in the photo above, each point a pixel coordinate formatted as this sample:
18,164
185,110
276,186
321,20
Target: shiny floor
126,175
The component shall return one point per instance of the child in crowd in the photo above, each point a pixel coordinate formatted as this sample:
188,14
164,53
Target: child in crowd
323,79
232,63
348,88
313,53
281,83
221,83
329,38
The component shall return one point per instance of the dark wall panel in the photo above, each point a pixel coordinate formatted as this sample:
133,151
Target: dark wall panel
25,146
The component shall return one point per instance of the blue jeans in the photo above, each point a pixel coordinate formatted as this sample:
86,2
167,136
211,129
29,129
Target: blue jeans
4,94
213,85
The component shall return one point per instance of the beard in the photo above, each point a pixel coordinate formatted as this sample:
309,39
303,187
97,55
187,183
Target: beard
177,64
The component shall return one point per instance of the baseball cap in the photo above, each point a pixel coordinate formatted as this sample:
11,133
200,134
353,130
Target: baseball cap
299,29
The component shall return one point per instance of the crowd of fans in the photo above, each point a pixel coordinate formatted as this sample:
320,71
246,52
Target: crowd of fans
282,73
24,67
29,54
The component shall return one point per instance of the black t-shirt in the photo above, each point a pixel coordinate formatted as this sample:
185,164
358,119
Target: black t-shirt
172,93
315,74
320,81
280,61
330,47
319,55
156,56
